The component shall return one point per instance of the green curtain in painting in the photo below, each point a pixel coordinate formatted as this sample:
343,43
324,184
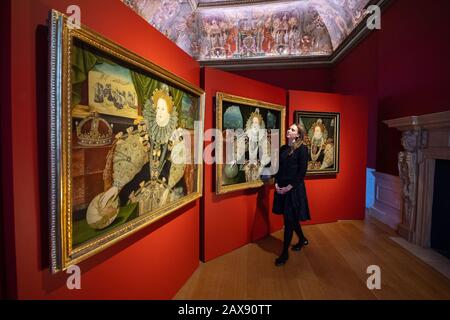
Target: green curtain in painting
177,96
144,86
84,61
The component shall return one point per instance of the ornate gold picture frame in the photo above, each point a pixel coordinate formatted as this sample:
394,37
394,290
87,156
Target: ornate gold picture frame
322,139
119,128
241,119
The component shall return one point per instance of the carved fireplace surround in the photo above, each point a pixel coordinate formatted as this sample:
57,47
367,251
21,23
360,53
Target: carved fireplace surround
425,139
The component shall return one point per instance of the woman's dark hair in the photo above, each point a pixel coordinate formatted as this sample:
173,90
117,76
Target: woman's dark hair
299,141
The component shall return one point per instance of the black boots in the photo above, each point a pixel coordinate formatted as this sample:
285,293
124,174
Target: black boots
281,260
289,229
300,244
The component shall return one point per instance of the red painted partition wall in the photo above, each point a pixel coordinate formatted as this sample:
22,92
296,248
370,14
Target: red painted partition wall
232,220
306,79
341,196
151,264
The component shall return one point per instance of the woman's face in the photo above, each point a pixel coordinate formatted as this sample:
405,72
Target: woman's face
162,113
255,123
318,133
292,132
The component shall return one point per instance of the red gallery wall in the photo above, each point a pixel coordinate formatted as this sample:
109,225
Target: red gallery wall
341,196
306,79
234,219
151,264
403,69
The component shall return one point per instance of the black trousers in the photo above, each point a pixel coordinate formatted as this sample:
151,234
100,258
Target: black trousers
291,226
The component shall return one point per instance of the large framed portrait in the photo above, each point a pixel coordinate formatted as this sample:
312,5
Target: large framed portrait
322,139
250,134
126,142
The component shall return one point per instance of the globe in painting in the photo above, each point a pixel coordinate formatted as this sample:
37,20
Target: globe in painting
232,118
231,170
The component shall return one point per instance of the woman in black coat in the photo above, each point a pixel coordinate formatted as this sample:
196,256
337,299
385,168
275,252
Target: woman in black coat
290,196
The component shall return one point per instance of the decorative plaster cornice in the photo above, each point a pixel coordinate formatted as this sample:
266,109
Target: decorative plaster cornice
226,3
355,37
289,33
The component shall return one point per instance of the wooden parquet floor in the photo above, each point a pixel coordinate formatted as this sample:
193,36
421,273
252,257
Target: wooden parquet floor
333,266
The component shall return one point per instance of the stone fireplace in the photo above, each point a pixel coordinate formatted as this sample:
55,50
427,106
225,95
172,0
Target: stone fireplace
425,139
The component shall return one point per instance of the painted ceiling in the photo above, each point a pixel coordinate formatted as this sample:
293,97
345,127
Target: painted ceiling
244,29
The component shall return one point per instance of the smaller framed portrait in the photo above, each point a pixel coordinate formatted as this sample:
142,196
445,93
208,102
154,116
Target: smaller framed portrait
322,139
247,150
